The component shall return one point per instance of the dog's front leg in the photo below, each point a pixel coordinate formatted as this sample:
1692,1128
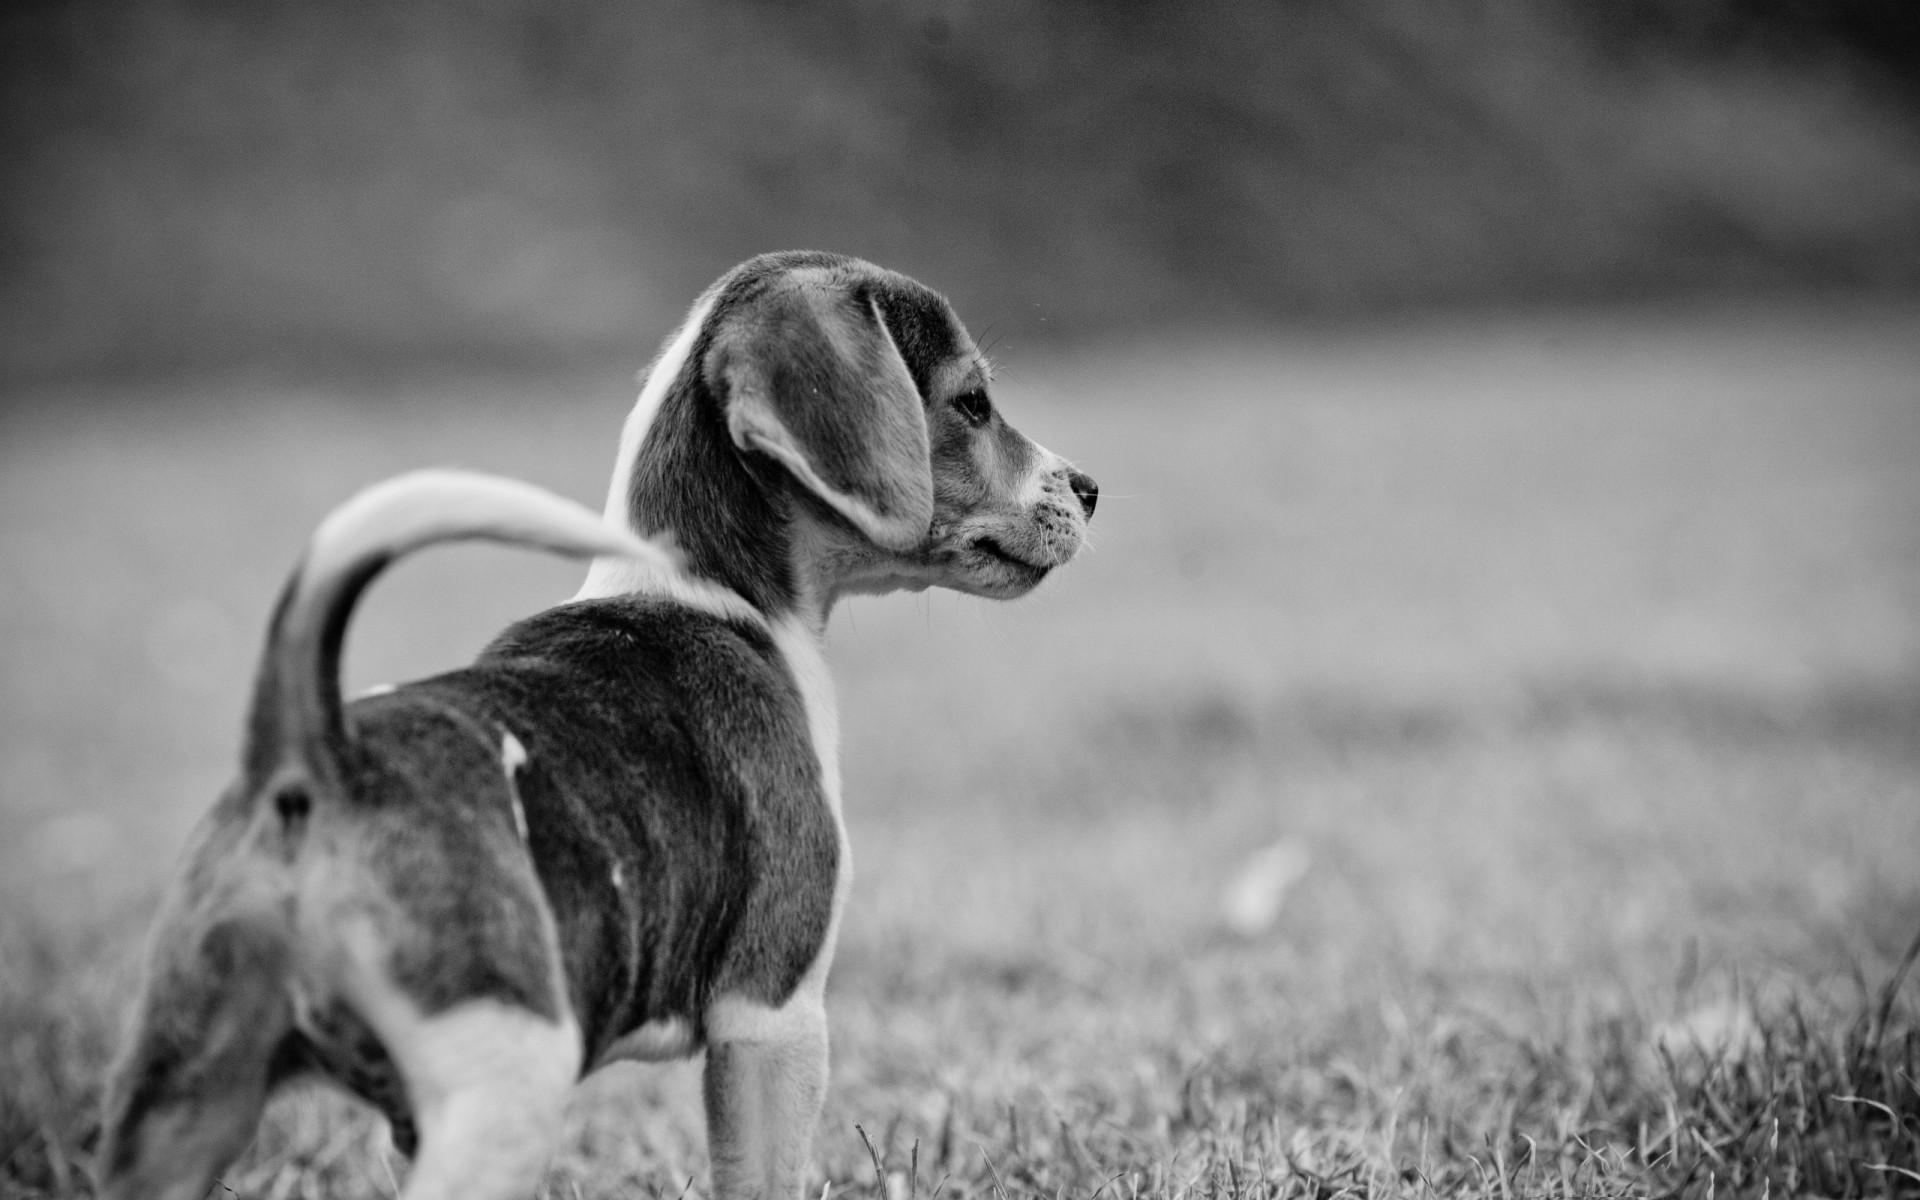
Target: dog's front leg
764,1088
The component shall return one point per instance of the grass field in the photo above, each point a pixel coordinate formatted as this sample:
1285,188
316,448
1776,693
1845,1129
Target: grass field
1577,659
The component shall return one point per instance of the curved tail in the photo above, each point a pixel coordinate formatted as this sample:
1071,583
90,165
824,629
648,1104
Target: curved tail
296,724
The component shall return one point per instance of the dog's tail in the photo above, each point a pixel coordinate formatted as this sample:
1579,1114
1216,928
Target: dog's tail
296,727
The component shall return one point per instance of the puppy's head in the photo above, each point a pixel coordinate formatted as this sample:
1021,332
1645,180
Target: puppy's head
858,420
865,386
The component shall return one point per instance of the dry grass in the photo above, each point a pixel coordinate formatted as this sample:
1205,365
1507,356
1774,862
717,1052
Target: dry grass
1582,659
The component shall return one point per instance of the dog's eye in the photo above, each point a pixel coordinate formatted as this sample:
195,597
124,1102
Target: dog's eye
974,406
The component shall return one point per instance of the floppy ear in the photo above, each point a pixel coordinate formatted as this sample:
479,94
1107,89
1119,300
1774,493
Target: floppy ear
815,382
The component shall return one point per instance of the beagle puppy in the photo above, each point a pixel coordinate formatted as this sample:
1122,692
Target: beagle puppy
617,834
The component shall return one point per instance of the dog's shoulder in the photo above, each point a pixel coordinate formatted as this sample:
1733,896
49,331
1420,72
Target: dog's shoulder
643,663
618,634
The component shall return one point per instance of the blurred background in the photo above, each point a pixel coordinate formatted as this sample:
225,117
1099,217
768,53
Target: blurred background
1499,642
199,184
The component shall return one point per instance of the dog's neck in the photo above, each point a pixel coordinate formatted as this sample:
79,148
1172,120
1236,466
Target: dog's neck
735,524
733,528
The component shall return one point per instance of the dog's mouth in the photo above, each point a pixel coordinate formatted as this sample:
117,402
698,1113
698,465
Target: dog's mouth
1026,569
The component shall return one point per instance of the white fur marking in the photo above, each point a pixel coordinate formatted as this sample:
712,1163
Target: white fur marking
513,756
731,1018
486,1080
625,576
656,1041
666,368
622,577
487,1084
800,646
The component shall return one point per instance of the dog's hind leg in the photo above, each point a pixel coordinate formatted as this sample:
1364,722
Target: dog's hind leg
487,1082
766,1076
185,1098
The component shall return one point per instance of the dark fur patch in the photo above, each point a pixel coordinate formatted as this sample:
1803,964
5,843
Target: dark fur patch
429,817
730,516
922,325
673,805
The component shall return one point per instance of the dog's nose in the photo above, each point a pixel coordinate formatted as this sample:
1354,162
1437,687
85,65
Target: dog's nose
1086,489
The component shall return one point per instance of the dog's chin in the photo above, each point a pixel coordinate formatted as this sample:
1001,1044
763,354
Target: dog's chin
987,568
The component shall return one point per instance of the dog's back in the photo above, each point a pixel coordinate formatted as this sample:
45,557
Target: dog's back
653,756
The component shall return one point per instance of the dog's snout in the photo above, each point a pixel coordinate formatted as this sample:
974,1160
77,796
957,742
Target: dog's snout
1086,489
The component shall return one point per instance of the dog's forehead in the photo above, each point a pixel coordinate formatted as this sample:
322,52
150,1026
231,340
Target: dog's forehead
938,351
939,354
